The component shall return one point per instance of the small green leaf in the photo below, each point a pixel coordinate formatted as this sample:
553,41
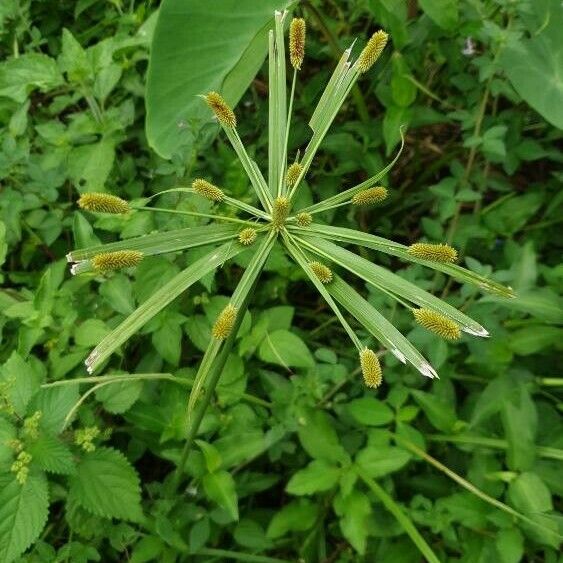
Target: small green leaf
509,545
297,516
286,349
120,396
21,382
319,438
353,510
381,460
318,476
23,513
443,12
440,414
370,411
212,456
220,488
528,493
107,485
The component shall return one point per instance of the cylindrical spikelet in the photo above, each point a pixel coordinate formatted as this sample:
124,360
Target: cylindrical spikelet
437,323
221,109
117,260
103,203
292,174
207,190
304,219
247,236
433,252
323,273
297,30
225,322
372,50
371,368
370,196
280,212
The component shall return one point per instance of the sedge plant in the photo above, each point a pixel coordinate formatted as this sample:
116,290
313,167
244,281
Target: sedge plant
316,247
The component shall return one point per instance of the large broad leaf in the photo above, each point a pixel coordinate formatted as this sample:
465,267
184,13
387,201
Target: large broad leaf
107,485
197,47
23,513
535,67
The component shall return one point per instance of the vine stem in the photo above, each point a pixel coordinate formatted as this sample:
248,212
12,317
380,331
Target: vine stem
401,517
211,384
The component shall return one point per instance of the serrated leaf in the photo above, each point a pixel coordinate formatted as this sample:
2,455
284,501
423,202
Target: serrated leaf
119,397
23,513
55,403
21,381
52,455
107,485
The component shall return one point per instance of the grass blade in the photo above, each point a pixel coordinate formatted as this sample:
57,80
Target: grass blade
379,326
157,301
346,195
459,273
389,282
160,243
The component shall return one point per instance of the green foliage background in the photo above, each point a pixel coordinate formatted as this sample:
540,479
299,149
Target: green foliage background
296,459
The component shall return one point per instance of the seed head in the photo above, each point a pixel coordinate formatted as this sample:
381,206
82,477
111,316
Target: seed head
433,252
304,219
280,212
322,272
371,368
103,203
108,261
224,323
224,114
247,236
297,30
372,50
370,196
437,323
207,190
292,174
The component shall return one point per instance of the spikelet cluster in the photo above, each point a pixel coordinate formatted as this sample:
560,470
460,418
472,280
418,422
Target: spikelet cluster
224,114
21,467
304,219
207,190
323,273
117,260
247,236
292,175
372,51
280,212
225,322
103,203
370,196
437,323
434,252
371,368
297,30
84,437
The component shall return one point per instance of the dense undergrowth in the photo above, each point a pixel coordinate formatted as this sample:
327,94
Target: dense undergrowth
296,458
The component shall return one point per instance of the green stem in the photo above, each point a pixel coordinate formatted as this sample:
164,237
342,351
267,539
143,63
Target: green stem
467,485
112,378
359,101
195,214
288,122
401,517
550,381
237,556
211,384
494,443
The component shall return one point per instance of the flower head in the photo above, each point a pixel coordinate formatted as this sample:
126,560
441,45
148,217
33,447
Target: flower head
207,190
323,273
370,196
103,203
224,114
247,236
371,368
117,260
437,323
372,51
297,30
225,322
433,252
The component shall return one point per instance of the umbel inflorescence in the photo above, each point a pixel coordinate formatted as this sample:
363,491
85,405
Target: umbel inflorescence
317,248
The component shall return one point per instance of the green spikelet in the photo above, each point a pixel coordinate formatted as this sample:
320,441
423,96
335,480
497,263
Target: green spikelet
103,203
371,368
117,260
225,322
224,114
292,174
372,51
370,196
437,323
280,212
207,190
434,252
297,31
304,219
247,236
323,273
